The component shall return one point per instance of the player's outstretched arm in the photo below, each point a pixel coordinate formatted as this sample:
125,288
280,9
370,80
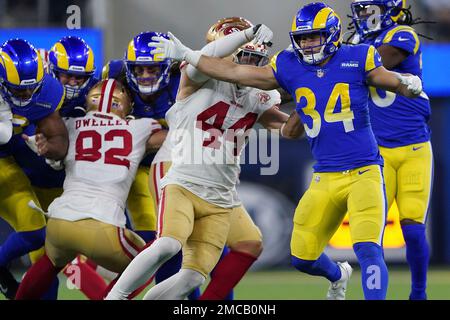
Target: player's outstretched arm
407,85
155,141
293,128
245,75
52,139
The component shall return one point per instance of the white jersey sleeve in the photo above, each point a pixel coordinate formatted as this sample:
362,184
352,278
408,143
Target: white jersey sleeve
101,164
5,121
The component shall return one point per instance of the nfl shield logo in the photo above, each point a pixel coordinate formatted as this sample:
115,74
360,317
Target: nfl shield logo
320,73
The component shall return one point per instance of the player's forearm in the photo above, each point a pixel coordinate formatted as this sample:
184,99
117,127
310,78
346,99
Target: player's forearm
156,140
57,147
293,128
225,46
243,75
395,82
5,131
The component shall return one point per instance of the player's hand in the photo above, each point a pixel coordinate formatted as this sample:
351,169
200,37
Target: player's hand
31,142
259,34
171,48
412,83
38,143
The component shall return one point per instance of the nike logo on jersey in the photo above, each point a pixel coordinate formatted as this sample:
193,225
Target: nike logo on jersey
362,172
415,149
402,39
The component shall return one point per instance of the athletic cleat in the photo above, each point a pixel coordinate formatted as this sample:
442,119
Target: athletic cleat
337,289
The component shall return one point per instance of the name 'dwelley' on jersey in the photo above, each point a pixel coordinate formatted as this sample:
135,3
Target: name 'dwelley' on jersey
100,123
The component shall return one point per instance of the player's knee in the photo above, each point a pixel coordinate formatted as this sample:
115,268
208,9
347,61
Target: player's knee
169,246
411,209
367,250
253,248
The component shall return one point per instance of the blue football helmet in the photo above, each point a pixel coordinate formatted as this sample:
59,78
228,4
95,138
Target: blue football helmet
72,57
316,19
138,56
373,16
21,72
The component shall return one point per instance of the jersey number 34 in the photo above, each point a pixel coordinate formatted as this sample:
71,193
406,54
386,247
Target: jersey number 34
340,91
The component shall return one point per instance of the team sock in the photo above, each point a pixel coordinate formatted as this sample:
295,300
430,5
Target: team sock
417,255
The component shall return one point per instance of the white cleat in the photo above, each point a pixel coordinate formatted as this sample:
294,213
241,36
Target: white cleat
337,289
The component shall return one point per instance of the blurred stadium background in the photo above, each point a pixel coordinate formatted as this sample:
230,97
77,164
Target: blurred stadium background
108,26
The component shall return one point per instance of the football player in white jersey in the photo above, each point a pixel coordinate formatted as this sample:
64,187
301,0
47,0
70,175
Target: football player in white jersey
104,152
6,127
244,239
198,192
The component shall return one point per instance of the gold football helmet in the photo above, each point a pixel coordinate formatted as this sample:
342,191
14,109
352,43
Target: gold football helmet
249,53
109,96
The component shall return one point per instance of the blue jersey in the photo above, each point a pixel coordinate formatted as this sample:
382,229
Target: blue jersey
25,120
164,99
396,120
332,102
76,107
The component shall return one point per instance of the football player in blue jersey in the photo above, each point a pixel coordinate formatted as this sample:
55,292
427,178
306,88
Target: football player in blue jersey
71,61
35,99
330,82
400,127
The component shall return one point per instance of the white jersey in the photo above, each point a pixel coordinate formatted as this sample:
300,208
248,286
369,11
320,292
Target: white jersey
5,110
206,131
6,126
101,164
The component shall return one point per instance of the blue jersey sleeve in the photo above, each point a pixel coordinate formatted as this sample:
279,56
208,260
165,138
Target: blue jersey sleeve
403,37
277,64
51,98
372,59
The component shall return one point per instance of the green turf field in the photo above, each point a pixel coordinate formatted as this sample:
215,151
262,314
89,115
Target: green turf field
292,285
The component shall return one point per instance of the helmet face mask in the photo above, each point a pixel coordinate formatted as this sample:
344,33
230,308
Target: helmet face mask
119,102
73,83
310,45
146,73
315,33
252,54
21,96
149,77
